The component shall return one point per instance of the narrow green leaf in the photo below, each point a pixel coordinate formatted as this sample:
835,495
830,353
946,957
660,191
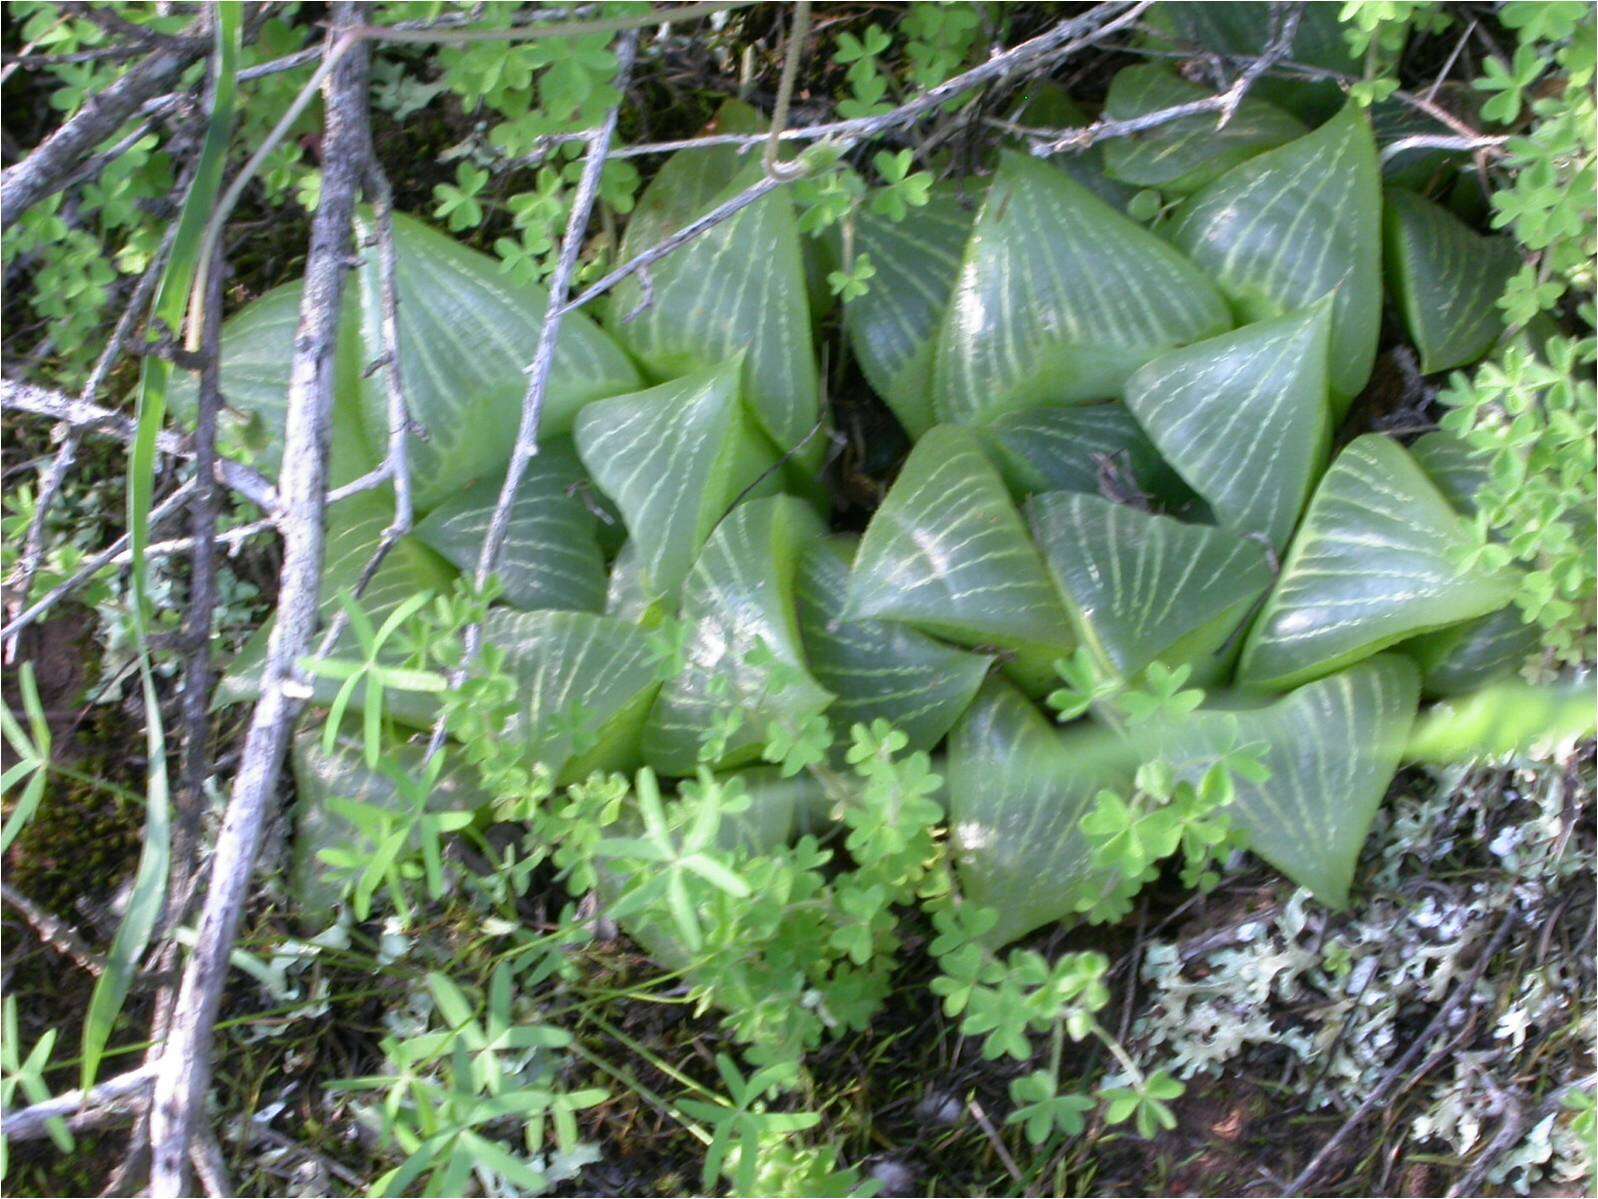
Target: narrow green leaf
148,895
1059,299
1143,587
878,669
894,326
674,459
1508,717
551,557
1243,418
1447,280
1292,225
738,602
1184,155
1376,561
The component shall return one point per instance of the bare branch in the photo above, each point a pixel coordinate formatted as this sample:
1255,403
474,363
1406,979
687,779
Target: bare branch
1226,103
94,564
555,29
49,168
54,932
91,418
396,468
100,1101
56,477
544,352
185,1067
1065,38
197,673
1442,141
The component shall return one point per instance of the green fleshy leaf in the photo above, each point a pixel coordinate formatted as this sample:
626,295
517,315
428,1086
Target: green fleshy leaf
257,353
738,602
1446,279
878,669
1017,792
737,287
1071,447
1458,470
343,774
674,459
1243,418
1470,655
551,555
1184,155
1332,748
1376,561
1145,588
467,335
894,326
948,553
628,594
1059,299
1467,656
571,664
1295,224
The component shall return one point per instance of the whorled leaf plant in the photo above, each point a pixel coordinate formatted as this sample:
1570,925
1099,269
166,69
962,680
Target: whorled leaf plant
1133,465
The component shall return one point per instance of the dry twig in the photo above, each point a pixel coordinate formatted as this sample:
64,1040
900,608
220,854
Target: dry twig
184,1069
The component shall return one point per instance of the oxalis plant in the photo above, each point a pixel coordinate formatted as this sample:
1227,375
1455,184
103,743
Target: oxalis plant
1156,583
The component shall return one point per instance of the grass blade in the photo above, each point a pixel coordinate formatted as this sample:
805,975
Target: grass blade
149,887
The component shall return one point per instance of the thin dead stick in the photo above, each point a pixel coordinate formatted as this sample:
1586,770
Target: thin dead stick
195,760
210,1167
1442,141
790,73
1065,38
1380,1091
91,418
184,1071
544,353
396,468
224,206
51,165
554,29
1226,103
61,465
95,564
54,932
29,1123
